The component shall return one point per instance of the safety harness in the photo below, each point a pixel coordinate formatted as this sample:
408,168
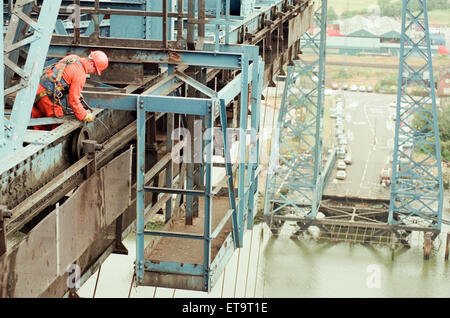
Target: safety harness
55,85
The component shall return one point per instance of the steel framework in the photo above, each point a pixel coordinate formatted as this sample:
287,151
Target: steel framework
180,61
295,178
417,189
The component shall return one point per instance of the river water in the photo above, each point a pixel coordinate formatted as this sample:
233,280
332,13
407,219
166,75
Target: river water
285,267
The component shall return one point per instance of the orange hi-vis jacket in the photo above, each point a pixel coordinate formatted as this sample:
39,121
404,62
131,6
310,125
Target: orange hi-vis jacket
75,76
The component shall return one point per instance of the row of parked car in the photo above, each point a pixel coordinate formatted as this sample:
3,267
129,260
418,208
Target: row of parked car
343,156
353,88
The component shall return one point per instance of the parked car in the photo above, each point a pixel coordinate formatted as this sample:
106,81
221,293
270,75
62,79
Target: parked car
333,115
341,165
343,141
334,86
341,175
362,88
369,89
340,154
393,104
353,88
342,148
348,160
344,87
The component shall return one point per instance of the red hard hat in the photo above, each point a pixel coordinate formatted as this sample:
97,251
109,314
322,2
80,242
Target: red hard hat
100,61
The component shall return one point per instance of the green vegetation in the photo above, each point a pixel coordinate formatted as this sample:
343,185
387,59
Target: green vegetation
438,9
351,13
421,123
331,14
387,84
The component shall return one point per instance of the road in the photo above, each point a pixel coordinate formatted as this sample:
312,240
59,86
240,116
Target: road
370,134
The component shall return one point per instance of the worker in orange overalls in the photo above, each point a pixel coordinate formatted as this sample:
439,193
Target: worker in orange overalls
67,77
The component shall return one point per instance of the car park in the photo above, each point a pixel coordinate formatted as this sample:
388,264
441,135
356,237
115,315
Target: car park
341,175
341,165
342,148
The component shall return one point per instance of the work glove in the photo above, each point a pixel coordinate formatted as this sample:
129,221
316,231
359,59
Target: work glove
89,117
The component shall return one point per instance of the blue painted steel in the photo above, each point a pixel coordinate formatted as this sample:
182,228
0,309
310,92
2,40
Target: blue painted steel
174,267
209,146
170,104
252,178
229,171
140,201
174,234
221,60
30,74
202,107
416,188
295,181
242,149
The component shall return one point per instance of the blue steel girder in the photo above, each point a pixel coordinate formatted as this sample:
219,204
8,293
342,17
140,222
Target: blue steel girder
417,188
295,181
30,73
247,175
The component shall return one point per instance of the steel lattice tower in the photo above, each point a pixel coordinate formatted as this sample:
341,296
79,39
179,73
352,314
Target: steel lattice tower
417,189
294,182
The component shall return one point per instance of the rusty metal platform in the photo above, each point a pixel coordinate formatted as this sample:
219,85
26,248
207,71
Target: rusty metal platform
190,252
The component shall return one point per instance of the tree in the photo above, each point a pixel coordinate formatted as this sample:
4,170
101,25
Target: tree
351,13
331,14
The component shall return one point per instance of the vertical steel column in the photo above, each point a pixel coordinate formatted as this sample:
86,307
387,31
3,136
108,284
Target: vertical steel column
417,188
208,195
30,73
169,167
191,25
242,148
252,178
16,31
140,202
295,181
229,171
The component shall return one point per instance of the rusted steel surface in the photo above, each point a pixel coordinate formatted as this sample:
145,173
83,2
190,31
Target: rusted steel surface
63,236
122,73
39,163
191,251
299,25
